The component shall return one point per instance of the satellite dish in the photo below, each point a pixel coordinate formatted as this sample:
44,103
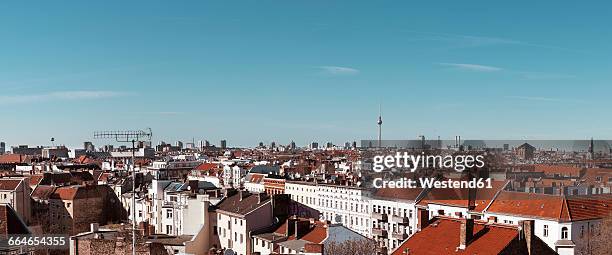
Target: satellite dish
338,218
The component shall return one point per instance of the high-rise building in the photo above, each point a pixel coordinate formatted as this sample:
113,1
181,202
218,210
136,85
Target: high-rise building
314,145
292,145
2,148
223,144
272,145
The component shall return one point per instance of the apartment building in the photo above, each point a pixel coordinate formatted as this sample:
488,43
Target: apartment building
302,236
564,223
15,191
394,215
336,203
237,216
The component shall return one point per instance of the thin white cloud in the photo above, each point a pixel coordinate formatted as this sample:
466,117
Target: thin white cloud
60,95
545,99
339,70
467,41
472,67
546,76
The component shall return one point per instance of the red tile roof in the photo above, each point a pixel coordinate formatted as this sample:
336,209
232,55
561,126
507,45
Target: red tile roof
206,166
531,205
12,158
316,234
589,207
256,178
563,170
313,248
459,197
79,192
249,202
9,184
35,179
442,237
393,193
43,192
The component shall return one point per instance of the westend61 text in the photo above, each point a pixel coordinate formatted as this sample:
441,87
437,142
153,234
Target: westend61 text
429,183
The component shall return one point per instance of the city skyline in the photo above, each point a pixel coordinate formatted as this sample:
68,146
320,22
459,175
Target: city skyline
311,71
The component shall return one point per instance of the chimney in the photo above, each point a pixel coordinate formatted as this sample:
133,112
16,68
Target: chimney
94,227
143,226
229,192
527,228
423,217
243,194
466,232
302,227
193,186
290,228
151,229
261,197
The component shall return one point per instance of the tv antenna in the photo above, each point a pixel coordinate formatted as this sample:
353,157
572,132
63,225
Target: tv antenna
129,136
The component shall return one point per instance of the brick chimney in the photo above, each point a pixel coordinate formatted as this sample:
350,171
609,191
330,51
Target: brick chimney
143,226
527,229
423,217
290,228
466,232
302,227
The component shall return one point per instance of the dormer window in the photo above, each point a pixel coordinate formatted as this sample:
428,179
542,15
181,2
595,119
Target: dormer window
564,233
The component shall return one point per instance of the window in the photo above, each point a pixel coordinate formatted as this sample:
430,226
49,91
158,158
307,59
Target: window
581,231
169,214
545,230
564,233
169,229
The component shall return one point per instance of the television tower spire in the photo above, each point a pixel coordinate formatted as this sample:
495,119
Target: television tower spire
379,122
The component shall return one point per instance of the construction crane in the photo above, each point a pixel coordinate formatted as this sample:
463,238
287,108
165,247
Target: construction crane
130,136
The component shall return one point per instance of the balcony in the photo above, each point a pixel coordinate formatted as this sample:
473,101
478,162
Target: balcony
379,216
399,235
379,232
400,220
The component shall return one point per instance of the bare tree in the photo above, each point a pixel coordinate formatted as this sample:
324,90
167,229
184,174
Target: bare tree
351,247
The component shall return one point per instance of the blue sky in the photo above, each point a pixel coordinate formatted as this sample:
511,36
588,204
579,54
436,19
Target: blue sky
251,71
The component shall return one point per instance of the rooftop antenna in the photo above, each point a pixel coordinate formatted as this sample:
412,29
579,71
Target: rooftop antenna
132,136
53,141
379,122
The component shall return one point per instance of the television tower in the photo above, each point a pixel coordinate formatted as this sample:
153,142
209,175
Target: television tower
379,122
